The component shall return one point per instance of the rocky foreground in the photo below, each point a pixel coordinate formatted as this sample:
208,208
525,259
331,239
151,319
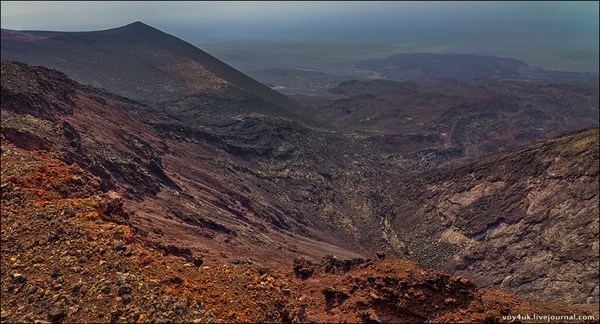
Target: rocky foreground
71,254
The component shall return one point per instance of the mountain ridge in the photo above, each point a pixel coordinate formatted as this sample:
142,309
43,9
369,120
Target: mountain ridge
149,159
215,172
122,41
62,234
480,218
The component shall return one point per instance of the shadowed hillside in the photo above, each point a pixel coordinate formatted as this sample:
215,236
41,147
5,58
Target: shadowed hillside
218,171
524,220
137,61
70,253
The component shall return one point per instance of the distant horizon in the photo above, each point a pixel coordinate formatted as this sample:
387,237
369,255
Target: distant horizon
552,35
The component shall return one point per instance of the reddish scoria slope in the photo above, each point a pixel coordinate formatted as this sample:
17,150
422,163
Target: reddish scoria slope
70,253
187,187
268,188
104,267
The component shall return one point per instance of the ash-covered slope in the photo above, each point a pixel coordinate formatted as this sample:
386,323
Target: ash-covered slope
221,173
247,185
270,188
139,62
524,220
44,109
70,253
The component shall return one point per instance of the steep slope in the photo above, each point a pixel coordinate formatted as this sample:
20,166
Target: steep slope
43,109
524,220
269,188
226,146
220,173
137,61
71,254
231,187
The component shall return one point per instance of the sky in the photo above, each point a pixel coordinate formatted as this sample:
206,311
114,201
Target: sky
567,29
241,19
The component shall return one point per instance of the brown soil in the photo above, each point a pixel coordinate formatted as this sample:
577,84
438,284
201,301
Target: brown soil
69,253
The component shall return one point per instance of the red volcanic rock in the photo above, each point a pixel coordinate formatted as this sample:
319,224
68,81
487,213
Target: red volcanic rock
207,191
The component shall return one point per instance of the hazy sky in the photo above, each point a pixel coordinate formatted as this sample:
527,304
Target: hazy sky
232,17
567,27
